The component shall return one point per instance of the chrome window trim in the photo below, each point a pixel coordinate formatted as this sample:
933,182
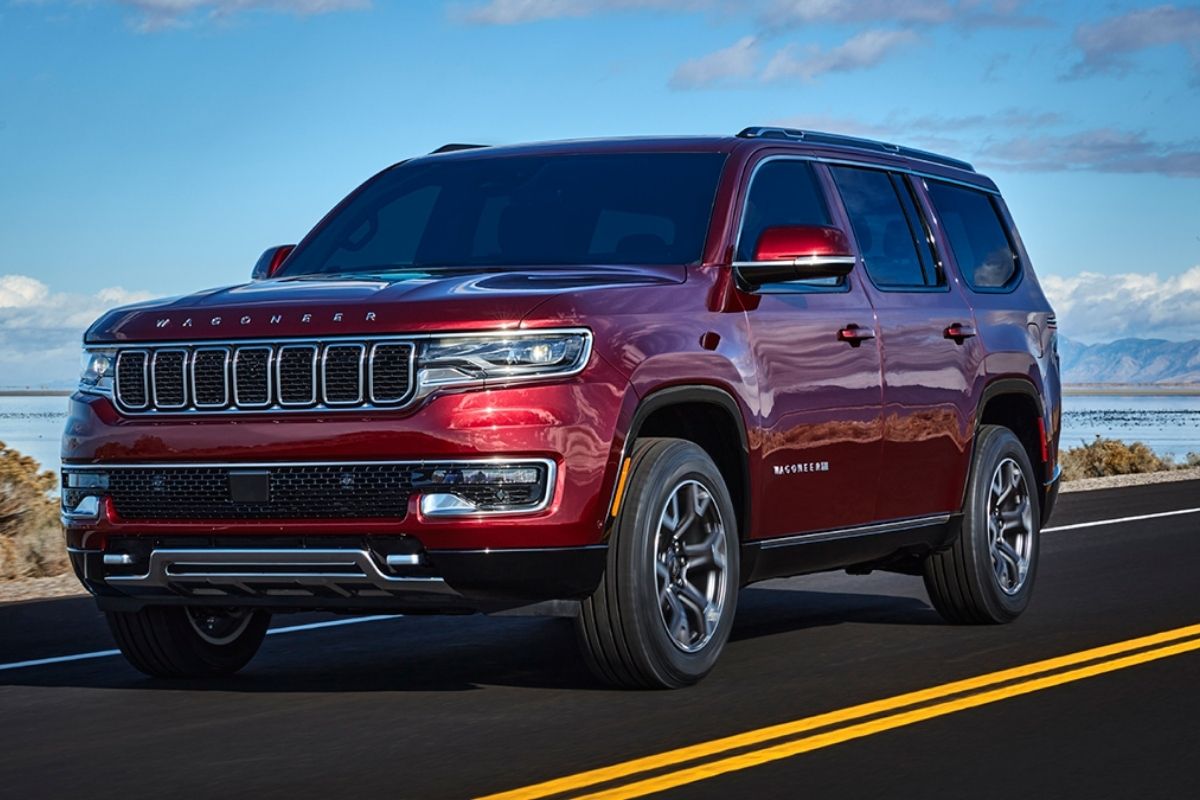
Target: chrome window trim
548,464
412,374
145,378
362,365
183,378
312,401
237,401
849,162
225,368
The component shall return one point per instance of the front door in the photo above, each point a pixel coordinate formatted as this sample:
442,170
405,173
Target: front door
930,353
820,399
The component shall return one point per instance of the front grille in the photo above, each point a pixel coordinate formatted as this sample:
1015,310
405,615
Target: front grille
300,491
131,379
254,376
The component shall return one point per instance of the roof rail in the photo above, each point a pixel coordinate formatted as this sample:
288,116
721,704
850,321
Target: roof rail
453,146
853,143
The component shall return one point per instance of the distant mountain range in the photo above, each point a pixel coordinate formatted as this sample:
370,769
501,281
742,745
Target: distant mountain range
1130,361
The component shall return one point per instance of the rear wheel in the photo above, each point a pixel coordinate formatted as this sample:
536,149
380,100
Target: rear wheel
987,575
663,611
185,642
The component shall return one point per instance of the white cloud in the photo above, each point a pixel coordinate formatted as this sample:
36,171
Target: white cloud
153,15
1095,150
1094,307
736,62
860,51
513,12
40,330
965,13
1107,45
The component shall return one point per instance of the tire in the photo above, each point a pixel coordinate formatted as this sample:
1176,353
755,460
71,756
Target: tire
183,642
986,578
643,627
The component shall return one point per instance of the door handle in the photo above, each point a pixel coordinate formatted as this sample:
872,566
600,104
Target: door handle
855,335
959,333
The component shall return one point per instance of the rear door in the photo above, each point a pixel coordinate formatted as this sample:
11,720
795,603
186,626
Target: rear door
930,353
819,396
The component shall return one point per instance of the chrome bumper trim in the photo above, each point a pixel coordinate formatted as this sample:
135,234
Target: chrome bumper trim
345,572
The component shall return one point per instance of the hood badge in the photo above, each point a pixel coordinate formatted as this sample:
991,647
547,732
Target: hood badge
246,319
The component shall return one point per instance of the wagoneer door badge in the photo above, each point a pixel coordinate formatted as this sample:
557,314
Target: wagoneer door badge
801,466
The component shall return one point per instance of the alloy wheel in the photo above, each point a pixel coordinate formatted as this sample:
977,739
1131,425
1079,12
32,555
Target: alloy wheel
690,566
1010,526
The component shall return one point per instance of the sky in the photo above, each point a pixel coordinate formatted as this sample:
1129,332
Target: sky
156,147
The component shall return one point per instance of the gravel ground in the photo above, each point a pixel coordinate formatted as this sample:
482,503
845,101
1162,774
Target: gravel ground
1141,479
67,585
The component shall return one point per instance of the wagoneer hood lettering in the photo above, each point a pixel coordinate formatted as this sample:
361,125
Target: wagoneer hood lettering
409,302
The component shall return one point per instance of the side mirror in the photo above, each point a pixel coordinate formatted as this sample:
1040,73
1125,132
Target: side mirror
797,252
270,261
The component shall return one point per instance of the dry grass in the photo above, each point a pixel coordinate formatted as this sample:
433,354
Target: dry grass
1104,457
31,542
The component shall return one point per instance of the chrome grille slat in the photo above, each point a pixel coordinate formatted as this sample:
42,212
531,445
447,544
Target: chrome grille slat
168,378
132,381
210,377
290,375
252,376
296,374
342,374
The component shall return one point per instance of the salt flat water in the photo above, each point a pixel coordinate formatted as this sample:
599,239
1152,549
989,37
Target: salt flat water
1169,424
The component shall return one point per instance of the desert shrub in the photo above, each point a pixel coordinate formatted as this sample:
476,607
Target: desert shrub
1111,457
1193,459
30,537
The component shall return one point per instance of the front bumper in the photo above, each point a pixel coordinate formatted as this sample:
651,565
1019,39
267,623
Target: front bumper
368,574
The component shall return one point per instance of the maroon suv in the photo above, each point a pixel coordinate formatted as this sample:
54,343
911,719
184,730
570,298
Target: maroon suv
633,374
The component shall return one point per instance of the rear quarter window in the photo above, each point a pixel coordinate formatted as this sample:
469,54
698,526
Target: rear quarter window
978,237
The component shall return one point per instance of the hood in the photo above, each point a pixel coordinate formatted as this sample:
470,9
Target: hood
393,303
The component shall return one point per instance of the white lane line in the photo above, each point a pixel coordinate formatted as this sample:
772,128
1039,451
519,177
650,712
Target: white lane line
334,623
312,626
1119,520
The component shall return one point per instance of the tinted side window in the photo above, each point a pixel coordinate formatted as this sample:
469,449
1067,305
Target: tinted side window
887,236
977,236
784,192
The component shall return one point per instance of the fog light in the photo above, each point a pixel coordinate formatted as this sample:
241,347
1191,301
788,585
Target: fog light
86,480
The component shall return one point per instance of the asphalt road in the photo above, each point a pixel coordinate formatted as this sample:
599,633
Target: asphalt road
466,706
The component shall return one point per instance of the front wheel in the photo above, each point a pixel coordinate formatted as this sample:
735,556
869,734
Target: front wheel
185,642
664,609
987,575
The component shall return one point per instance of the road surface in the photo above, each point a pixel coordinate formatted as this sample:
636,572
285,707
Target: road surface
817,683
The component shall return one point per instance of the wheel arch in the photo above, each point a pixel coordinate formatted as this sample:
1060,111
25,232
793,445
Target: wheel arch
1016,404
710,417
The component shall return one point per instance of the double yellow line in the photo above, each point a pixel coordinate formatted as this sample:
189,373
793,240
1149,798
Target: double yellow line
674,768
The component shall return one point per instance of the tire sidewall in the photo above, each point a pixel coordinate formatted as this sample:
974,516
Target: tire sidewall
678,462
996,445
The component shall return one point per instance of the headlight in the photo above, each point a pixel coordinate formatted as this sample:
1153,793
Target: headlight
474,360
97,370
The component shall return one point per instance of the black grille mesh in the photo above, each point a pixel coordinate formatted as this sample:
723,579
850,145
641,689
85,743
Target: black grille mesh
296,492
209,377
390,372
169,379
131,378
296,375
252,376
342,376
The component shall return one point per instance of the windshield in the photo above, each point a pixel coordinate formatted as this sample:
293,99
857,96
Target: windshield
520,211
